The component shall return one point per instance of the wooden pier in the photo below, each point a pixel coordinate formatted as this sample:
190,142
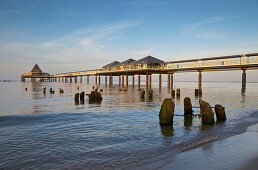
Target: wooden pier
150,65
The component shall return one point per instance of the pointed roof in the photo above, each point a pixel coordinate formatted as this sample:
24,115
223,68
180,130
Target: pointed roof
127,61
36,69
148,59
111,64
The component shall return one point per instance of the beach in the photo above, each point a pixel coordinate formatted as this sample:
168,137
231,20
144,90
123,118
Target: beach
235,152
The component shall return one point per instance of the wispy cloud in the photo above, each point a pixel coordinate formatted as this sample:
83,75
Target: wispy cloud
203,30
79,48
189,28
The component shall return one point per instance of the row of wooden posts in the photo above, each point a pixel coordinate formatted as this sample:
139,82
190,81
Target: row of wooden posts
166,113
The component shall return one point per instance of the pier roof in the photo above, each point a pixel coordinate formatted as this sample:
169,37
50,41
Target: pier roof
126,61
36,69
148,59
111,64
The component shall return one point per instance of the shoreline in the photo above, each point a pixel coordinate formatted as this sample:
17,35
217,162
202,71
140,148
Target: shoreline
239,151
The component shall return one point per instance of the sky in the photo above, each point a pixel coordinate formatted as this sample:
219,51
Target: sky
65,36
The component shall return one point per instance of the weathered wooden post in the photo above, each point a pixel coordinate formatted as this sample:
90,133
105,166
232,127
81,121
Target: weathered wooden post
196,92
220,112
88,79
142,94
82,95
99,80
173,94
206,113
178,92
166,113
71,80
81,79
75,79
76,96
188,109
105,80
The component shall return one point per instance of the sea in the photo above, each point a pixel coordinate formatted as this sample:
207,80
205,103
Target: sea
52,131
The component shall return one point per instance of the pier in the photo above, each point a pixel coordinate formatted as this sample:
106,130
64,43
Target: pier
148,66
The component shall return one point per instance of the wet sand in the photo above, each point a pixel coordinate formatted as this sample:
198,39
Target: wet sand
235,152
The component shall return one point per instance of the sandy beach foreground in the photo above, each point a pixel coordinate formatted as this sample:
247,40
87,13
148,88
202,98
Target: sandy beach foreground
236,152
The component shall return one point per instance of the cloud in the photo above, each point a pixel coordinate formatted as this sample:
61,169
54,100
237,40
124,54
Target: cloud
77,50
189,28
203,30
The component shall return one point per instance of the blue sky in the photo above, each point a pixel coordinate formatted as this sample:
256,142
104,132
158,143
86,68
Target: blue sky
64,36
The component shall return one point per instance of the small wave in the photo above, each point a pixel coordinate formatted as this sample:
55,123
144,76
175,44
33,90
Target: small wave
200,142
27,120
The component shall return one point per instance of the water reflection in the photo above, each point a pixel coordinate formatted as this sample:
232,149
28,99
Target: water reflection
204,127
188,122
167,130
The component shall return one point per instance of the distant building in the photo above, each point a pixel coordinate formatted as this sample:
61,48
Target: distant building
130,64
36,71
109,66
148,62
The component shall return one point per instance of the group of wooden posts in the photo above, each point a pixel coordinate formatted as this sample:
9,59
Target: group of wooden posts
94,97
166,113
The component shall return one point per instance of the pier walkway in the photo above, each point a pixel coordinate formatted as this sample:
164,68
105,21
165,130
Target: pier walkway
150,65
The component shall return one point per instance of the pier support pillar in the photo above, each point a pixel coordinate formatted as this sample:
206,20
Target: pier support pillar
65,79
119,81
81,79
71,80
122,80
243,80
200,81
99,80
22,79
105,80
33,80
168,80
139,81
133,81
75,79
126,80
160,79
111,78
96,79
172,81
88,79
150,81
147,80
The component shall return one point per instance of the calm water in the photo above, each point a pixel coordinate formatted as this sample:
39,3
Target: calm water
52,131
